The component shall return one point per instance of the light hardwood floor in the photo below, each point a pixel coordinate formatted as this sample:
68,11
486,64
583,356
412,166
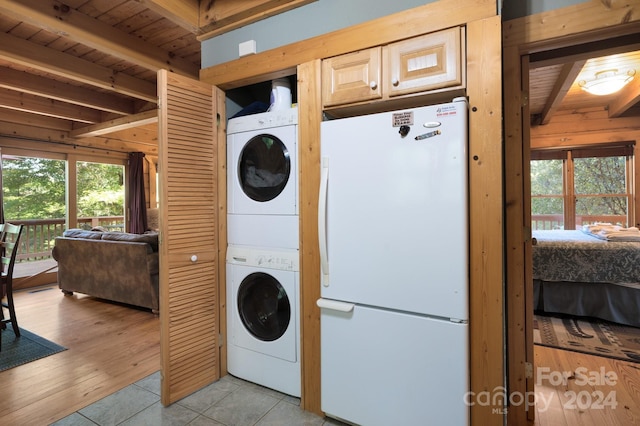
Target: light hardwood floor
111,346
597,391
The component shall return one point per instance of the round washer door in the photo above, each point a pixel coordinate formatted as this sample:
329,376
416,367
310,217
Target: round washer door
263,306
264,167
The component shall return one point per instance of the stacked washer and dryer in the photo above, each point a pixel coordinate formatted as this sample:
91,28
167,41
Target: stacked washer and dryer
263,311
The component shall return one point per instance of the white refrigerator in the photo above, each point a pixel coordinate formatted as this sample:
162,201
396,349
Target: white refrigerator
393,231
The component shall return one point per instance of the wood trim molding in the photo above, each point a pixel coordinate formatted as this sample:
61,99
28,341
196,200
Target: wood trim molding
486,260
221,113
310,107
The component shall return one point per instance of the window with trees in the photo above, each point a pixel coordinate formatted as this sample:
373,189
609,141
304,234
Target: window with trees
571,188
100,193
49,192
33,188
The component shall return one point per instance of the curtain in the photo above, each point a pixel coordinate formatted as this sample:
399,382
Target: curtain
1,191
137,202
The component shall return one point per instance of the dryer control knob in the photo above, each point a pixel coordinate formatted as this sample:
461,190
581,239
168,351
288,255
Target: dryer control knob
194,258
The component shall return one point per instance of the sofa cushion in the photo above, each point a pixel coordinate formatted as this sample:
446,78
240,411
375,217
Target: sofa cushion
149,238
81,233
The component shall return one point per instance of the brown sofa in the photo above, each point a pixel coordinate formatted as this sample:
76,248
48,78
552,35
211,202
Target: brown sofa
116,266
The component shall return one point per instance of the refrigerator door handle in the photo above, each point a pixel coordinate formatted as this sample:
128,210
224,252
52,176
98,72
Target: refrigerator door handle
322,221
334,305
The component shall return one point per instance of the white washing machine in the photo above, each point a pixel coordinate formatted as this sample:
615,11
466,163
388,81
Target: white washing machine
262,179
263,317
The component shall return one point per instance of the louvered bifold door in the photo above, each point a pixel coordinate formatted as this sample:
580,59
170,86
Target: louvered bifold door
188,226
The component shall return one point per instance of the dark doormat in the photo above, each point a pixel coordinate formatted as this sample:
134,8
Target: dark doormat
26,348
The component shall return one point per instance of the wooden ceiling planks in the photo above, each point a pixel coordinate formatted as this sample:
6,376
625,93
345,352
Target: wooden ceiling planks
111,48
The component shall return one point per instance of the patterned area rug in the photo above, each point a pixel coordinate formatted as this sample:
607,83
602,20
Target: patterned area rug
28,347
588,335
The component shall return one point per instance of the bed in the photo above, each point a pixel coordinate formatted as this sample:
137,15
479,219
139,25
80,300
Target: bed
576,273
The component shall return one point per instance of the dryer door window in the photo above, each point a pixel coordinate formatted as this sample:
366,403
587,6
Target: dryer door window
264,167
263,306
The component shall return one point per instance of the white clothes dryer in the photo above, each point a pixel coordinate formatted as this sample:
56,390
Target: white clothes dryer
263,317
262,166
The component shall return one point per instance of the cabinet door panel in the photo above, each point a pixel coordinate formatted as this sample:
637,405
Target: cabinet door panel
429,62
351,78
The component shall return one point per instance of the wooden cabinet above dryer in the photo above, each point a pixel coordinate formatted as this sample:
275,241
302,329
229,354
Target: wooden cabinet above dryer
427,63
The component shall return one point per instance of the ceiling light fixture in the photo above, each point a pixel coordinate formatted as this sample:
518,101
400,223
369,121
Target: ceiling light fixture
606,82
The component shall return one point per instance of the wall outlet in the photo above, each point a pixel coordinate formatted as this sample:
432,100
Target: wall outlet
247,48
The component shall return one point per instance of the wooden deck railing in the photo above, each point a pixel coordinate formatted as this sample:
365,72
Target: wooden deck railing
556,221
38,235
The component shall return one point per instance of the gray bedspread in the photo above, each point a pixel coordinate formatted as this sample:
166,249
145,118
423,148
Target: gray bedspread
560,255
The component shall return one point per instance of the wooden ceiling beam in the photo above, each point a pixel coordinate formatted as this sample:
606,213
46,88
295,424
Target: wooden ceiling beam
183,13
585,51
58,18
19,51
111,126
628,98
565,80
147,134
220,16
21,136
41,86
36,120
38,105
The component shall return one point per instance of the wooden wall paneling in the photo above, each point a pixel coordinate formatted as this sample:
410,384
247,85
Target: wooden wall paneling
526,238
222,228
557,141
635,164
310,107
282,61
515,225
484,59
189,263
583,22
584,128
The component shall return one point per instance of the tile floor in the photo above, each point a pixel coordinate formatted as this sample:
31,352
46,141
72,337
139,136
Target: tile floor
229,401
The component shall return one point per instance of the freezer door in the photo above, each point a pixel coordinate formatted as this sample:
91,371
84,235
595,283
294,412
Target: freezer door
393,216
386,368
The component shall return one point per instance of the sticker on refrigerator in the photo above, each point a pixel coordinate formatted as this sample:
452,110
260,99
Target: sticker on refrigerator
446,110
402,118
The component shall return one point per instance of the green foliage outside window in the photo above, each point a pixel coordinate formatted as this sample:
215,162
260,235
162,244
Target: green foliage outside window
600,189
100,189
34,188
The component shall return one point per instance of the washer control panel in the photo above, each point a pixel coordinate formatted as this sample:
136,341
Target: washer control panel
263,120
282,259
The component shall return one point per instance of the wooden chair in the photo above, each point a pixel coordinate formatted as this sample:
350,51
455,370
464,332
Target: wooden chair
10,238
